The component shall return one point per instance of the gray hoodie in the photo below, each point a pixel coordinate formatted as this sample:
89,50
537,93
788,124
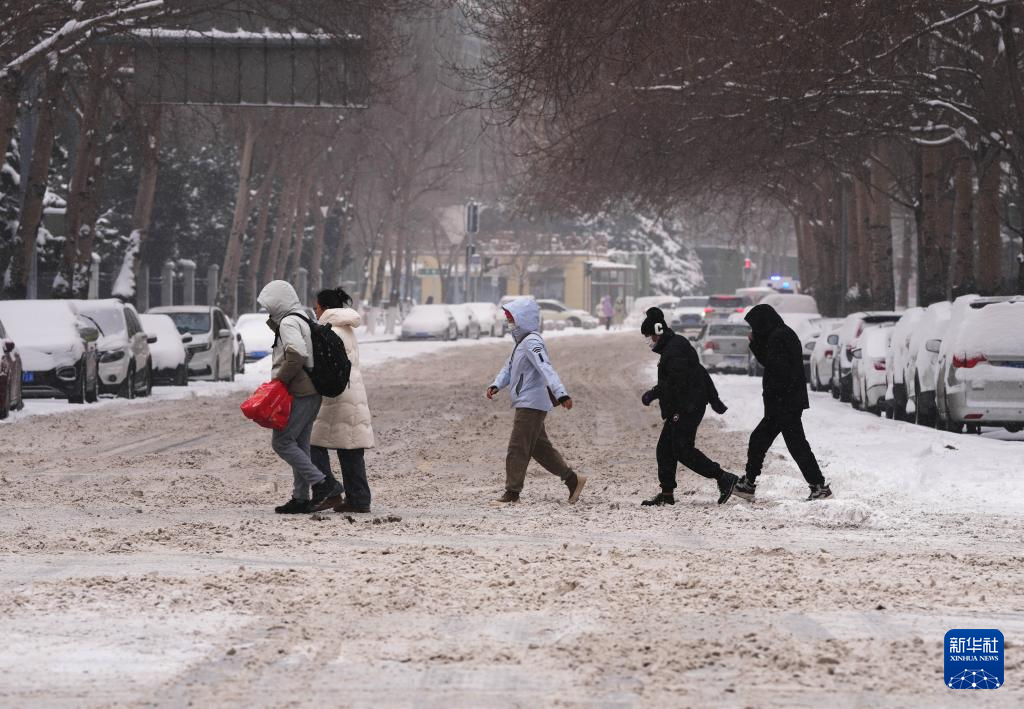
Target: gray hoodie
293,346
533,381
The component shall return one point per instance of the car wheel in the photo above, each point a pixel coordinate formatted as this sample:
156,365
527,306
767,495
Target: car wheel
1013,428
128,387
231,376
181,376
148,389
79,396
574,322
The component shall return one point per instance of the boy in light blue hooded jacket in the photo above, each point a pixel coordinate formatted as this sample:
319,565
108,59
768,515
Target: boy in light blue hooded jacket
535,389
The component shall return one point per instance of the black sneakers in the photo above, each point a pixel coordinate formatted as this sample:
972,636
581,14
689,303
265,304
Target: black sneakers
726,485
662,498
509,496
745,489
294,507
323,490
820,492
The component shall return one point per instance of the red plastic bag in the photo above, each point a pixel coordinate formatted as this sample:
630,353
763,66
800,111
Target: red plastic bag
270,405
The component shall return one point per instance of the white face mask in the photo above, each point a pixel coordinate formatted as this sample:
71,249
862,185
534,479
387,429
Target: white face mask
652,341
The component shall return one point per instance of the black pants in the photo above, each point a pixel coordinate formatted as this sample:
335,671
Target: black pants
353,472
792,430
676,445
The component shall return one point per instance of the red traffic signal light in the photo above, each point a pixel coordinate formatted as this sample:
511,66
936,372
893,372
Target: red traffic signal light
747,264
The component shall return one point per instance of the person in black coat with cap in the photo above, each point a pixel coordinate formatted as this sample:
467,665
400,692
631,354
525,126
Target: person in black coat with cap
779,351
683,392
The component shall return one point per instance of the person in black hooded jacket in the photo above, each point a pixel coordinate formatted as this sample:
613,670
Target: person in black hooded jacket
784,385
684,391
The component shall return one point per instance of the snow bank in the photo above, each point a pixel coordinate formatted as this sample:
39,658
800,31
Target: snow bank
880,470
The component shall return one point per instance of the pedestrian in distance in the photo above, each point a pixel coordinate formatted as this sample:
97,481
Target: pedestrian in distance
607,311
784,391
292,360
535,390
683,392
343,423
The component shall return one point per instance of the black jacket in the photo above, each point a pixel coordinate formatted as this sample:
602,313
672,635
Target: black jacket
684,386
779,351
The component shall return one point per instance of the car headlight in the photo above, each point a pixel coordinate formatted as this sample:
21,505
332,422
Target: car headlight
114,356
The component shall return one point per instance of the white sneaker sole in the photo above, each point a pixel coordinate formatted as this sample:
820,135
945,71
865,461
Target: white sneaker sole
581,480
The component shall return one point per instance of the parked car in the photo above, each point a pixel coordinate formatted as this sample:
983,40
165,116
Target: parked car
435,321
895,362
208,340
808,328
239,346
755,293
724,346
465,318
125,361
980,337
687,316
58,349
168,352
791,303
491,319
919,367
825,348
842,363
985,380
867,389
257,337
555,311
720,307
10,375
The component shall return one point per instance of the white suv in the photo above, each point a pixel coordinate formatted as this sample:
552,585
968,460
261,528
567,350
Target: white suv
126,365
208,339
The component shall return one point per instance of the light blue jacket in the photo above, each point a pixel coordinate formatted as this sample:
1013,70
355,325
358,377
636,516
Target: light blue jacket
528,372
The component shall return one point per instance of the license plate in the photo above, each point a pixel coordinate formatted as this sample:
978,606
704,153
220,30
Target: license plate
27,377
1015,365
737,359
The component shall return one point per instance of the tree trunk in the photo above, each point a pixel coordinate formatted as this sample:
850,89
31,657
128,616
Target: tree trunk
316,259
378,281
142,216
879,233
73,281
282,223
263,198
10,91
990,237
963,225
907,254
857,253
35,190
932,248
233,253
299,232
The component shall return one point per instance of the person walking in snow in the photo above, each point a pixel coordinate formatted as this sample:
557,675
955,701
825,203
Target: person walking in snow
535,389
784,391
607,311
683,392
292,356
343,423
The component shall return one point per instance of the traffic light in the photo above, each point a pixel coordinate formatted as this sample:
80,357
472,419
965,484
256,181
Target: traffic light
747,265
472,218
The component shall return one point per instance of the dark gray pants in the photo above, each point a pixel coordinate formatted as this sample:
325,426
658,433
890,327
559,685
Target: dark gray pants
353,472
292,444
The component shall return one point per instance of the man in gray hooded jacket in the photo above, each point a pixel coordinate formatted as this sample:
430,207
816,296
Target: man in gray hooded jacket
535,390
292,357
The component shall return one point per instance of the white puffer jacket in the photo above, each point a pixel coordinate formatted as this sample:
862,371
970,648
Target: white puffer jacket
344,421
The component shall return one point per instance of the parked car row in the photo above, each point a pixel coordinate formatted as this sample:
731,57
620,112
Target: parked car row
954,366
80,349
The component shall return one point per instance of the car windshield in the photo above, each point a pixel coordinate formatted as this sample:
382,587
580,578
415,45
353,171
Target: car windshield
729,330
726,302
108,320
191,323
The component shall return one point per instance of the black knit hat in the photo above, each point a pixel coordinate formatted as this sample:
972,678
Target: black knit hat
654,323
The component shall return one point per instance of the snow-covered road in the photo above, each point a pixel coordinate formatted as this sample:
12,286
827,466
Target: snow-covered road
141,562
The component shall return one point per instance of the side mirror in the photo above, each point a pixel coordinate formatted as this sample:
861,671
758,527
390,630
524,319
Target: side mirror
185,339
8,346
222,333
833,339
151,339
933,346
89,334
858,353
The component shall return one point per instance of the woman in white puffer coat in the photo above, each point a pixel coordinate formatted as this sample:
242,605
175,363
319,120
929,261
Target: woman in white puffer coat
343,423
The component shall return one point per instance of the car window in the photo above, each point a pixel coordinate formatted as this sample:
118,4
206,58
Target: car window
729,330
726,302
191,323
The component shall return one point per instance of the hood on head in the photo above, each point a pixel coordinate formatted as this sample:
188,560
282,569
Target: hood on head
526,313
340,317
279,298
763,319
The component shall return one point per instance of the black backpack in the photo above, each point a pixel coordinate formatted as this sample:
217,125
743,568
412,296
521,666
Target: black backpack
331,366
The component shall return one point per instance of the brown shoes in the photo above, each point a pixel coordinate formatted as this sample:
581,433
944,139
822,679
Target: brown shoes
575,484
508,497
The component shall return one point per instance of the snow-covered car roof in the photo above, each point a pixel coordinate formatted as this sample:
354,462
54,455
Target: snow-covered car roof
168,351
791,303
25,320
996,329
